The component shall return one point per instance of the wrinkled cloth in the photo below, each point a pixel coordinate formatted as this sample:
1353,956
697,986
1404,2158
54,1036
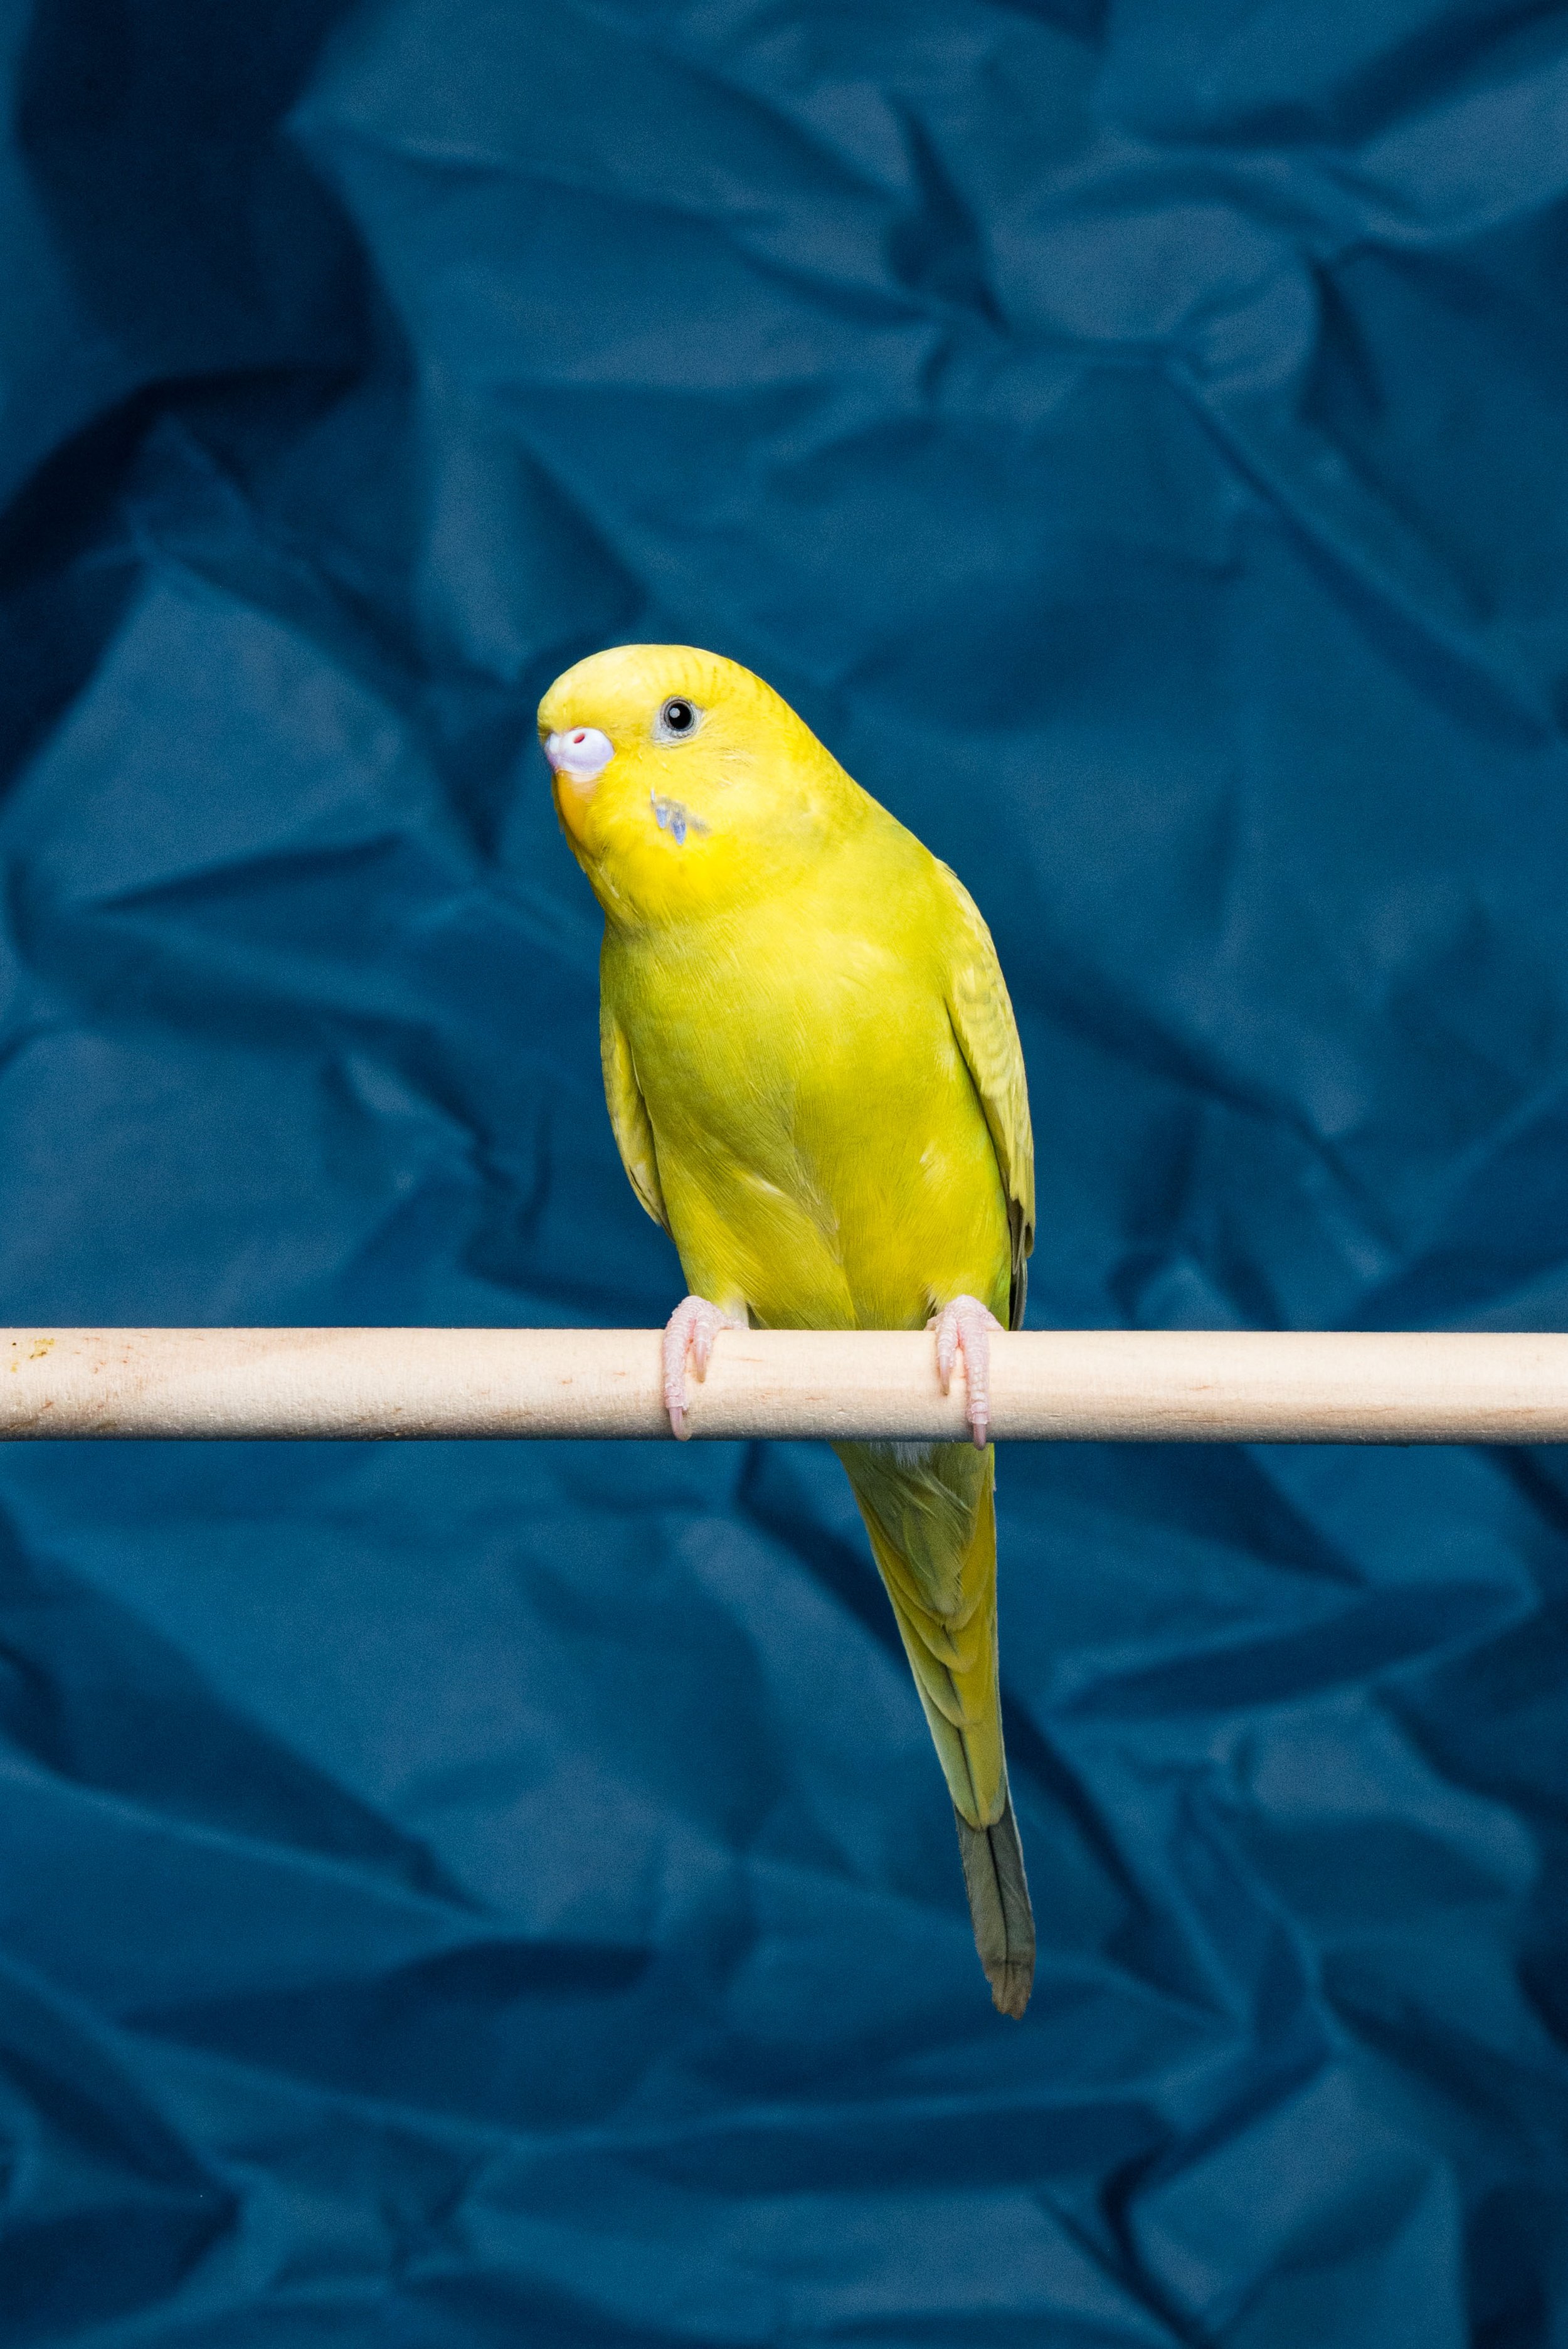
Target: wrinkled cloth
460,1895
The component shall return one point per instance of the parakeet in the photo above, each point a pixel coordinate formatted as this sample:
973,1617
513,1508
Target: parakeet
816,1086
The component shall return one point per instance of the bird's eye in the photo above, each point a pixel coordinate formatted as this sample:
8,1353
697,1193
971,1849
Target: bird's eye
678,717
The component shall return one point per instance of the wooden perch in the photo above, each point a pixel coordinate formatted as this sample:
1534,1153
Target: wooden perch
1170,1386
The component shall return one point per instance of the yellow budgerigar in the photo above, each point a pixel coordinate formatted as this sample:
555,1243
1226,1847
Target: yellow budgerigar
816,1086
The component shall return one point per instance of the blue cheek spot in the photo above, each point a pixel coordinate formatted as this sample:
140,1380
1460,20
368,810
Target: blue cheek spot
671,816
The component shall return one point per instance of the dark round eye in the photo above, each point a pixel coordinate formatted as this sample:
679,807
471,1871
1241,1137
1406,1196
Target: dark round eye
678,716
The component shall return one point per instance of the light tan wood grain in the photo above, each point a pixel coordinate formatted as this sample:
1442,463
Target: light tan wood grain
1140,1386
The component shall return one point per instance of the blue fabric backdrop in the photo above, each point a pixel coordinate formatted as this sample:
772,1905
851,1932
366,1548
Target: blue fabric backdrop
500,1895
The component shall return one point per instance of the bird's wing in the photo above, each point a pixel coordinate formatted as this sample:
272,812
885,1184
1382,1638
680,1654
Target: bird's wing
629,1116
981,1017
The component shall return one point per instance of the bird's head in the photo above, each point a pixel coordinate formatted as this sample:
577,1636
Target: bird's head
683,782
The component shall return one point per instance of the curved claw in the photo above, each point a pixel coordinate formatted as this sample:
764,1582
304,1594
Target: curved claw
689,1333
964,1328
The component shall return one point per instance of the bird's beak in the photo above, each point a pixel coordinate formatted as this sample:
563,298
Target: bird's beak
579,752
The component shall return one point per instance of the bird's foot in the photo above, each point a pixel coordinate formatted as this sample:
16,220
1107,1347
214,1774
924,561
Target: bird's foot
964,1328
689,1333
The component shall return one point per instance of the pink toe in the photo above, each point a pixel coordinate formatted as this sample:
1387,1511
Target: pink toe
965,1326
689,1334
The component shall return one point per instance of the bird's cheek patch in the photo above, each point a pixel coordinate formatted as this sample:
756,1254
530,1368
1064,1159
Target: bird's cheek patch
672,816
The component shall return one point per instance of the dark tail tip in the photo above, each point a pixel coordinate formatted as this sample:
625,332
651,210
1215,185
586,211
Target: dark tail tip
999,1906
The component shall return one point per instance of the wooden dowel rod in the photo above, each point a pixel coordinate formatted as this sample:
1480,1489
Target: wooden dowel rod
1172,1386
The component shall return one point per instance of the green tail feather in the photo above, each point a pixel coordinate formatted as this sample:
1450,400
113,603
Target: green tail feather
999,1906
